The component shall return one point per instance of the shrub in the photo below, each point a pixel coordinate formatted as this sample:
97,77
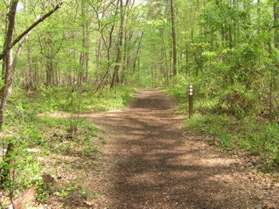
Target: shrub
237,101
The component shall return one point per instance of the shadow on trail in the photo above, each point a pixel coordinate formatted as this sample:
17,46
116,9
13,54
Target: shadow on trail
155,166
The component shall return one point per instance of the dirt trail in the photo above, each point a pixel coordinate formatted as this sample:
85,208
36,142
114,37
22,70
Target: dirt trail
151,163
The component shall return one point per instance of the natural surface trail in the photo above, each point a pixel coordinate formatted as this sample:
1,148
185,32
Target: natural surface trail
150,162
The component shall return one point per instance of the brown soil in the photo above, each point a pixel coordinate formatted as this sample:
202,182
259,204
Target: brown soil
151,162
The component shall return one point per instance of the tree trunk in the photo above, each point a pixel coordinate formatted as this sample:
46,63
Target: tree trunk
7,69
49,72
30,77
119,56
276,22
7,59
83,74
174,48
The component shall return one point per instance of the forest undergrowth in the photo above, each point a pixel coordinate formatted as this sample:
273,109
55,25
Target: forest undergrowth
234,124
54,145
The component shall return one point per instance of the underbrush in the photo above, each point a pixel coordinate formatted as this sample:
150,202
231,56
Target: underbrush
43,142
60,99
258,138
233,119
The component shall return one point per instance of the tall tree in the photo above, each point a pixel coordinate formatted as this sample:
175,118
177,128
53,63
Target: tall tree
7,59
276,22
7,68
84,55
173,28
119,53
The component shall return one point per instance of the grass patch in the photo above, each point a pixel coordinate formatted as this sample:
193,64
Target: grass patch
59,99
216,126
257,138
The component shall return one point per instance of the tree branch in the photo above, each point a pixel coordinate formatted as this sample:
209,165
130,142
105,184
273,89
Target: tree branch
30,28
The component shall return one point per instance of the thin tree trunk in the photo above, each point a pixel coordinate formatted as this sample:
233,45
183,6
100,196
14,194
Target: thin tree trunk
7,59
83,74
30,81
119,56
276,22
7,69
174,47
138,52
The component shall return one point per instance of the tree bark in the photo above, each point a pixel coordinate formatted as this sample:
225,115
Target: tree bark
84,57
276,22
7,59
7,69
174,47
30,81
119,53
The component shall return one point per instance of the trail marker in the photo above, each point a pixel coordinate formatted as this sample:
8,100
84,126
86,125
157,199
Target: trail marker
190,100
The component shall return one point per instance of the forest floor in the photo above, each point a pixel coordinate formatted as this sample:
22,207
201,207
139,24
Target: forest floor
150,161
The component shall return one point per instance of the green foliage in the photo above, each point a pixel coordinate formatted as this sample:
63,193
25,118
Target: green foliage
66,191
216,126
232,117
228,51
237,101
63,99
179,89
36,133
254,137
262,140
24,167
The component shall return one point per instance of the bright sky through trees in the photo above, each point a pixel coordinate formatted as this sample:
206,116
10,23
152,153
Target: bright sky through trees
20,7
140,1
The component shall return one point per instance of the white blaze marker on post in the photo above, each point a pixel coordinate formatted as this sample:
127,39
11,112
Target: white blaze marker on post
190,100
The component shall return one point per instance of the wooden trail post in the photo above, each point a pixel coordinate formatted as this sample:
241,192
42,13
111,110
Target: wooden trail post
190,100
